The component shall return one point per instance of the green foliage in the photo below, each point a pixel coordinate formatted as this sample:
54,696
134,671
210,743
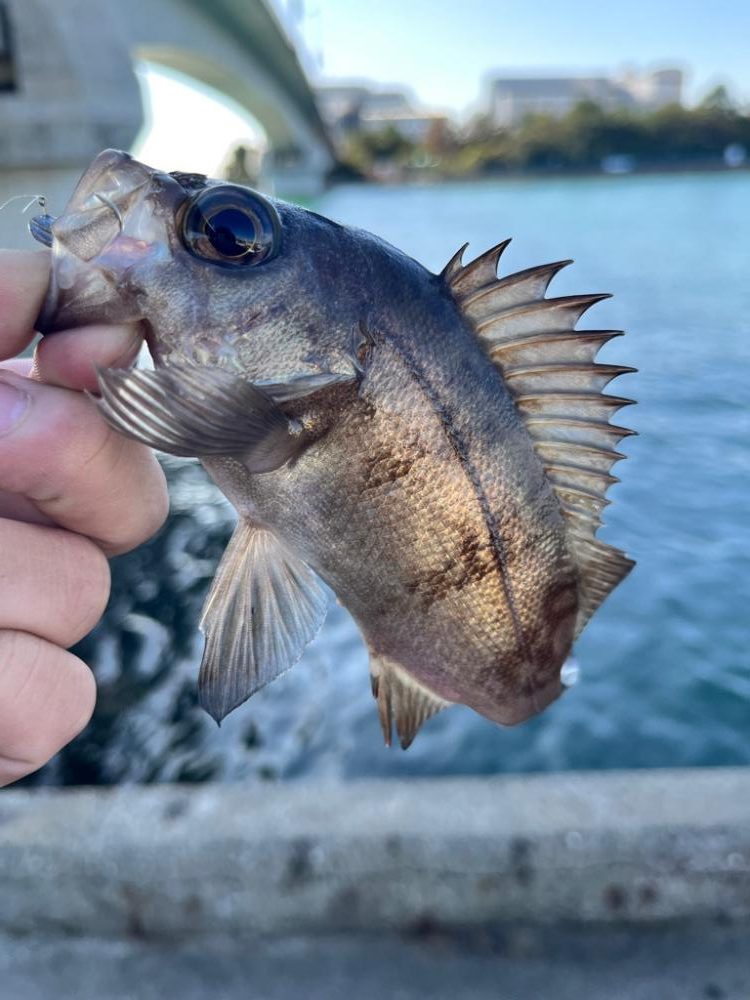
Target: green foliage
364,149
718,99
579,141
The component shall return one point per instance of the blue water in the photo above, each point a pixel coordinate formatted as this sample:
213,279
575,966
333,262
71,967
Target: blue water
665,668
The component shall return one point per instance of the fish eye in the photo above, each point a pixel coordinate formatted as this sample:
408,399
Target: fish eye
231,226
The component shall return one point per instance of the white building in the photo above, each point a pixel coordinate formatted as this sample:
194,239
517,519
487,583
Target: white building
414,126
346,108
655,89
514,98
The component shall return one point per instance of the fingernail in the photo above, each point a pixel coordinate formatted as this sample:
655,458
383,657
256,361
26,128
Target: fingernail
13,405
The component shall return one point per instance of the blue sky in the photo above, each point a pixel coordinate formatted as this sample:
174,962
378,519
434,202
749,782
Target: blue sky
443,48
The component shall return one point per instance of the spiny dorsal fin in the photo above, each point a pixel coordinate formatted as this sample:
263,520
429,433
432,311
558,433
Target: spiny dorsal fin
466,278
516,289
401,699
550,370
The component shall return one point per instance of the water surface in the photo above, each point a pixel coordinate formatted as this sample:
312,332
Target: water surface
665,668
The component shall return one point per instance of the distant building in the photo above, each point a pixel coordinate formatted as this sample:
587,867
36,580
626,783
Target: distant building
655,89
415,126
514,98
340,106
385,103
351,108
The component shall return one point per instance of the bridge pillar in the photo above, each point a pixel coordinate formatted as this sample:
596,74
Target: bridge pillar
67,91
299,173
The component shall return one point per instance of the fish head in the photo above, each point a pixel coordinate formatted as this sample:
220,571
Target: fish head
112,237
219,274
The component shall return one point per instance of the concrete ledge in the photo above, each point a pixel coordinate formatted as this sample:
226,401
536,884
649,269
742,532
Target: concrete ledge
172,860
676,962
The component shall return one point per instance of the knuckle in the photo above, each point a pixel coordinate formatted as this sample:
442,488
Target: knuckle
91,478
157,506
53,582
21,656
85,583
138,489
105,449
86,700
147,511
13,648
91,451
70,441
48,699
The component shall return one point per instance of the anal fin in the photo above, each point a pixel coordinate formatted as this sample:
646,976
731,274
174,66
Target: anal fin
402,700
264,606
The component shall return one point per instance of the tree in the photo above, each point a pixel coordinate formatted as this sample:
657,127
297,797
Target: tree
719,99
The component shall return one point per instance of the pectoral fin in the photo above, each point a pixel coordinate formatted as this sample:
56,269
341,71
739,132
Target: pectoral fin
286,390
193,411
265,605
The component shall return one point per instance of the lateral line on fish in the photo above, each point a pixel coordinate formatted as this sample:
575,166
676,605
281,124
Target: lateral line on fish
460,449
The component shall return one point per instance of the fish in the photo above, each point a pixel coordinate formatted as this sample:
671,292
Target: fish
435,448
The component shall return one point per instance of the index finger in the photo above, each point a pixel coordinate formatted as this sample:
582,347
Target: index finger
24,276
58,452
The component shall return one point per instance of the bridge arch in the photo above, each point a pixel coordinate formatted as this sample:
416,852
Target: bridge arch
68,87
238,49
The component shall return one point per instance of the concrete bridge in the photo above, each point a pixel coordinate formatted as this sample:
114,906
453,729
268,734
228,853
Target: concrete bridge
68,89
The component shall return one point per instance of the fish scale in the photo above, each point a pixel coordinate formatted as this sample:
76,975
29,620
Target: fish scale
436,448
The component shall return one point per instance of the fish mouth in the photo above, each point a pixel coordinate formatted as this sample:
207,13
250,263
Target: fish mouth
106,229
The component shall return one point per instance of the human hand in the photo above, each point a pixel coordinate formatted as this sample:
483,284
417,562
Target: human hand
72,492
